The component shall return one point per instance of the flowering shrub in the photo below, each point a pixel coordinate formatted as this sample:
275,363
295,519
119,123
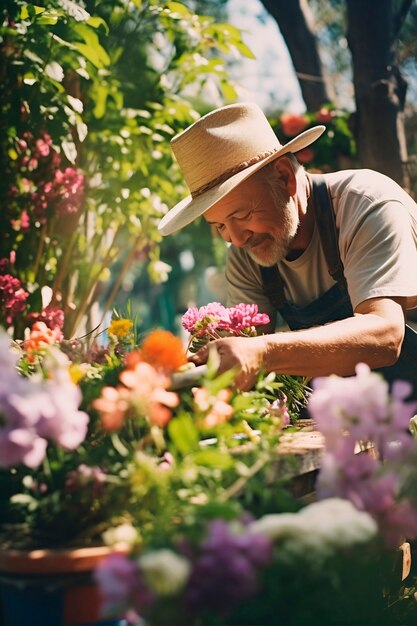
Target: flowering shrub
336,552
336,148
83,150
96,435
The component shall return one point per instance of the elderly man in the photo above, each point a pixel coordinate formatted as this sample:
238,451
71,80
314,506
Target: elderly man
335,254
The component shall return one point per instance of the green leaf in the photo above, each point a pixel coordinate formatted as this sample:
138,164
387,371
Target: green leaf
91,49
177,7
48,19
183,433
30,10
213,458
95,22
244,50
96,55
101,95
228,91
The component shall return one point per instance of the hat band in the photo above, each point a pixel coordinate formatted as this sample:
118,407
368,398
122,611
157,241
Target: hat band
232,171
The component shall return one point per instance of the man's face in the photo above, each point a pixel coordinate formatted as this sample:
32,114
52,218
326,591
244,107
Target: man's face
253,217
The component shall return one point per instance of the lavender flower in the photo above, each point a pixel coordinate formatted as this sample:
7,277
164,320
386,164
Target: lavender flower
360,408
33,412
121,585
226,567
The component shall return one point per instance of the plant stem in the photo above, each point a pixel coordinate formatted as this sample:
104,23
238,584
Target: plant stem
126,265
88,294
39,251
240,483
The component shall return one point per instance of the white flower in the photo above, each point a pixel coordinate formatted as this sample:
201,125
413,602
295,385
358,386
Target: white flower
125,533
164,571
324,526
339,522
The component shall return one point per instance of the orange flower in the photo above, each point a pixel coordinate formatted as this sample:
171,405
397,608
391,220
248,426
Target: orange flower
292,124
40,337
132,359
163,350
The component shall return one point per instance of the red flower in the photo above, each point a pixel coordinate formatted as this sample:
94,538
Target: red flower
292,124
324,115
305,156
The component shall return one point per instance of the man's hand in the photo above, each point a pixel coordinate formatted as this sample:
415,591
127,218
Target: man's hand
245,354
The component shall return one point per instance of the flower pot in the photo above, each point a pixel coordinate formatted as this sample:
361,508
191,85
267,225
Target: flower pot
52,587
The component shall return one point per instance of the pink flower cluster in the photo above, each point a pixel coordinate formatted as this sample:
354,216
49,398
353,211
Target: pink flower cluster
43,183
215,320
64,193
360,409
12,297
51,316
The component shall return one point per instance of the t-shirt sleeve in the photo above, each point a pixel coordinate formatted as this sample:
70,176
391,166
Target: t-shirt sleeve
378,251
244,284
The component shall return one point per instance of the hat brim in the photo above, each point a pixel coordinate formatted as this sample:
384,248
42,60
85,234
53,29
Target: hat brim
191,208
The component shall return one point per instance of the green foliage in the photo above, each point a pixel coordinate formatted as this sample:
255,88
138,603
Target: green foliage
335,149
106,91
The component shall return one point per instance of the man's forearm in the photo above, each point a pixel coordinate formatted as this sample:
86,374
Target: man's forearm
334,348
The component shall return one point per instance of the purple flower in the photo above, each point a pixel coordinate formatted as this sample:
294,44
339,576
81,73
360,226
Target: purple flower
226,567
60,420
360,408
121,585
21,445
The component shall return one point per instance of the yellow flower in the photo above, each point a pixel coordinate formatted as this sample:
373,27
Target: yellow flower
76,373
120,328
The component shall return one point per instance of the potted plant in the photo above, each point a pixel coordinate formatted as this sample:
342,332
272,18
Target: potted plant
97,447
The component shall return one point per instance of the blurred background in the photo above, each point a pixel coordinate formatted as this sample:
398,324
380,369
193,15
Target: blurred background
91,94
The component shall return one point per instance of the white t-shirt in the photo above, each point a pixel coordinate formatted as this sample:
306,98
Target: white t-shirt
377,225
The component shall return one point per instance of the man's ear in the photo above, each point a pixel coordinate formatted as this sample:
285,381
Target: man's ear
285,173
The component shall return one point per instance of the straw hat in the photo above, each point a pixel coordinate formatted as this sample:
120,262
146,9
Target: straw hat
221,150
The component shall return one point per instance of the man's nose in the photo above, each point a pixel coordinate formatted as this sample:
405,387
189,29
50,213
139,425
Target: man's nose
237,234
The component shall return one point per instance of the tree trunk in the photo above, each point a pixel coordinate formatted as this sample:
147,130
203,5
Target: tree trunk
296,24
379,89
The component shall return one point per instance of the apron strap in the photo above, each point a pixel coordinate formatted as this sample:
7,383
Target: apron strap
326,223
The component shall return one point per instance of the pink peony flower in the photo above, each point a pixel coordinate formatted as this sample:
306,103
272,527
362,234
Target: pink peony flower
244,318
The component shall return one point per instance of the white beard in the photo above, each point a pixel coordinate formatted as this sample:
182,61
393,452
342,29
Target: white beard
272,249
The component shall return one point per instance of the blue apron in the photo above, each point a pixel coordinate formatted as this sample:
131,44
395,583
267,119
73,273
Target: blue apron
335,303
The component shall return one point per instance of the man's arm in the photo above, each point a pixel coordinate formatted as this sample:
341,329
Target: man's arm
373,335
